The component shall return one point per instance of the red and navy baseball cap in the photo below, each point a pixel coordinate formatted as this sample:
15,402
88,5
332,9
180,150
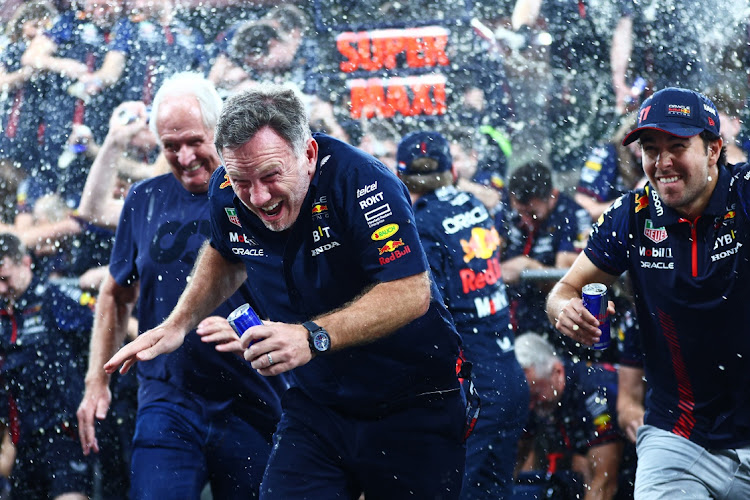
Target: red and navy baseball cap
422,144
679,112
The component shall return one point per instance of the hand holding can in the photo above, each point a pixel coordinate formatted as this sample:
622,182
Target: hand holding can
594,297
243,318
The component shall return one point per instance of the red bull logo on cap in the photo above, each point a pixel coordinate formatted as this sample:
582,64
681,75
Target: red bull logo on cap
678,110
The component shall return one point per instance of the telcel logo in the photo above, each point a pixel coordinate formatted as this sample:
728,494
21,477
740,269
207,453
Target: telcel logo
385,232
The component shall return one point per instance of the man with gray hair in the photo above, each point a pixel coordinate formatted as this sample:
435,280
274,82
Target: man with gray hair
204,415
324,235
573,420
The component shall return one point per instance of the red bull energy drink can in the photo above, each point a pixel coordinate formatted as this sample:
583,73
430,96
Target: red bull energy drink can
594,296
243,318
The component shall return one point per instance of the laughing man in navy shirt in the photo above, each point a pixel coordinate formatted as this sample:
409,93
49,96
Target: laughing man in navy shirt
324,236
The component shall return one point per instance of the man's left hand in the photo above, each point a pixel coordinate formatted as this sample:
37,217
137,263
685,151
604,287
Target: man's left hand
274,348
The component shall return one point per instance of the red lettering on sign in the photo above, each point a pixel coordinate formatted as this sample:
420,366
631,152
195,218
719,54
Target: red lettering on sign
378,49
419,95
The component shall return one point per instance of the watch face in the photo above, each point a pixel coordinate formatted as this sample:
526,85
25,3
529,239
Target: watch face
321,341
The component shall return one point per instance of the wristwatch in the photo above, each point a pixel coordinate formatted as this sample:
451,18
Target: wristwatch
320,341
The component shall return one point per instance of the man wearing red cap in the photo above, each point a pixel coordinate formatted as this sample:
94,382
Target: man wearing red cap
685,240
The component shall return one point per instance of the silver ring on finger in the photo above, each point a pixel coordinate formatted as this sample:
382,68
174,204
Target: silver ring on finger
270,359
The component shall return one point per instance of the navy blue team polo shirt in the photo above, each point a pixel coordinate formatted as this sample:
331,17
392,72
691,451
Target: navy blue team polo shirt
42,342
162,228
692,283
355,229
586,415
463,246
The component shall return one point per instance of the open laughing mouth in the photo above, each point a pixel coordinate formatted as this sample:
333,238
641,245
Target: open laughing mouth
272,210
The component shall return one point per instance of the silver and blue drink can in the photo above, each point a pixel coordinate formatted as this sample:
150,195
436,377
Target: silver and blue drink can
243,318
594,298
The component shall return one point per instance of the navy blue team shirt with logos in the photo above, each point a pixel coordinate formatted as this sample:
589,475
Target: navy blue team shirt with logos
463,248
566,225
161,230
600,176
42,344
355,229
586,415
691,288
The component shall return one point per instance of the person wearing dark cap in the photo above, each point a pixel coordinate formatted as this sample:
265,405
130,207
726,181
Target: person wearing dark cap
685,239
463,250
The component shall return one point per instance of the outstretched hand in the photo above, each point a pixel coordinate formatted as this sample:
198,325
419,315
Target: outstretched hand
161,340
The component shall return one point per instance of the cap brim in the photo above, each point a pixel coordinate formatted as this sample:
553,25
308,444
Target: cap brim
668,128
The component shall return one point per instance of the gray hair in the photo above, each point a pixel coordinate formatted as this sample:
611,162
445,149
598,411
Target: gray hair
267,105
534,351
190,84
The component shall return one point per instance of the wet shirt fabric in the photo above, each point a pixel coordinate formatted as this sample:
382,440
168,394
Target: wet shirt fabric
463,249
691,289
161,230
85,42
43,343
355,229
567,224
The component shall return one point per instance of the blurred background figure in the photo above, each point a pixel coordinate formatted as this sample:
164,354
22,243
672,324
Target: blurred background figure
22,88
463,250
573,426
545,230
610,170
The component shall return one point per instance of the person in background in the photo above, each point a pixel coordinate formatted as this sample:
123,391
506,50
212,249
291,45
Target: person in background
464,260
610,170
43,334
19,112
545,229
204,415
380,139
684,240
484,184
573,423
160,45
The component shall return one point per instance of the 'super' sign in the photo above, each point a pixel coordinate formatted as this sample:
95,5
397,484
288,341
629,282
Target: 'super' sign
378,49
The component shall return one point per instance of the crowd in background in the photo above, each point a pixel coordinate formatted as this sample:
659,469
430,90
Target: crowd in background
538,96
